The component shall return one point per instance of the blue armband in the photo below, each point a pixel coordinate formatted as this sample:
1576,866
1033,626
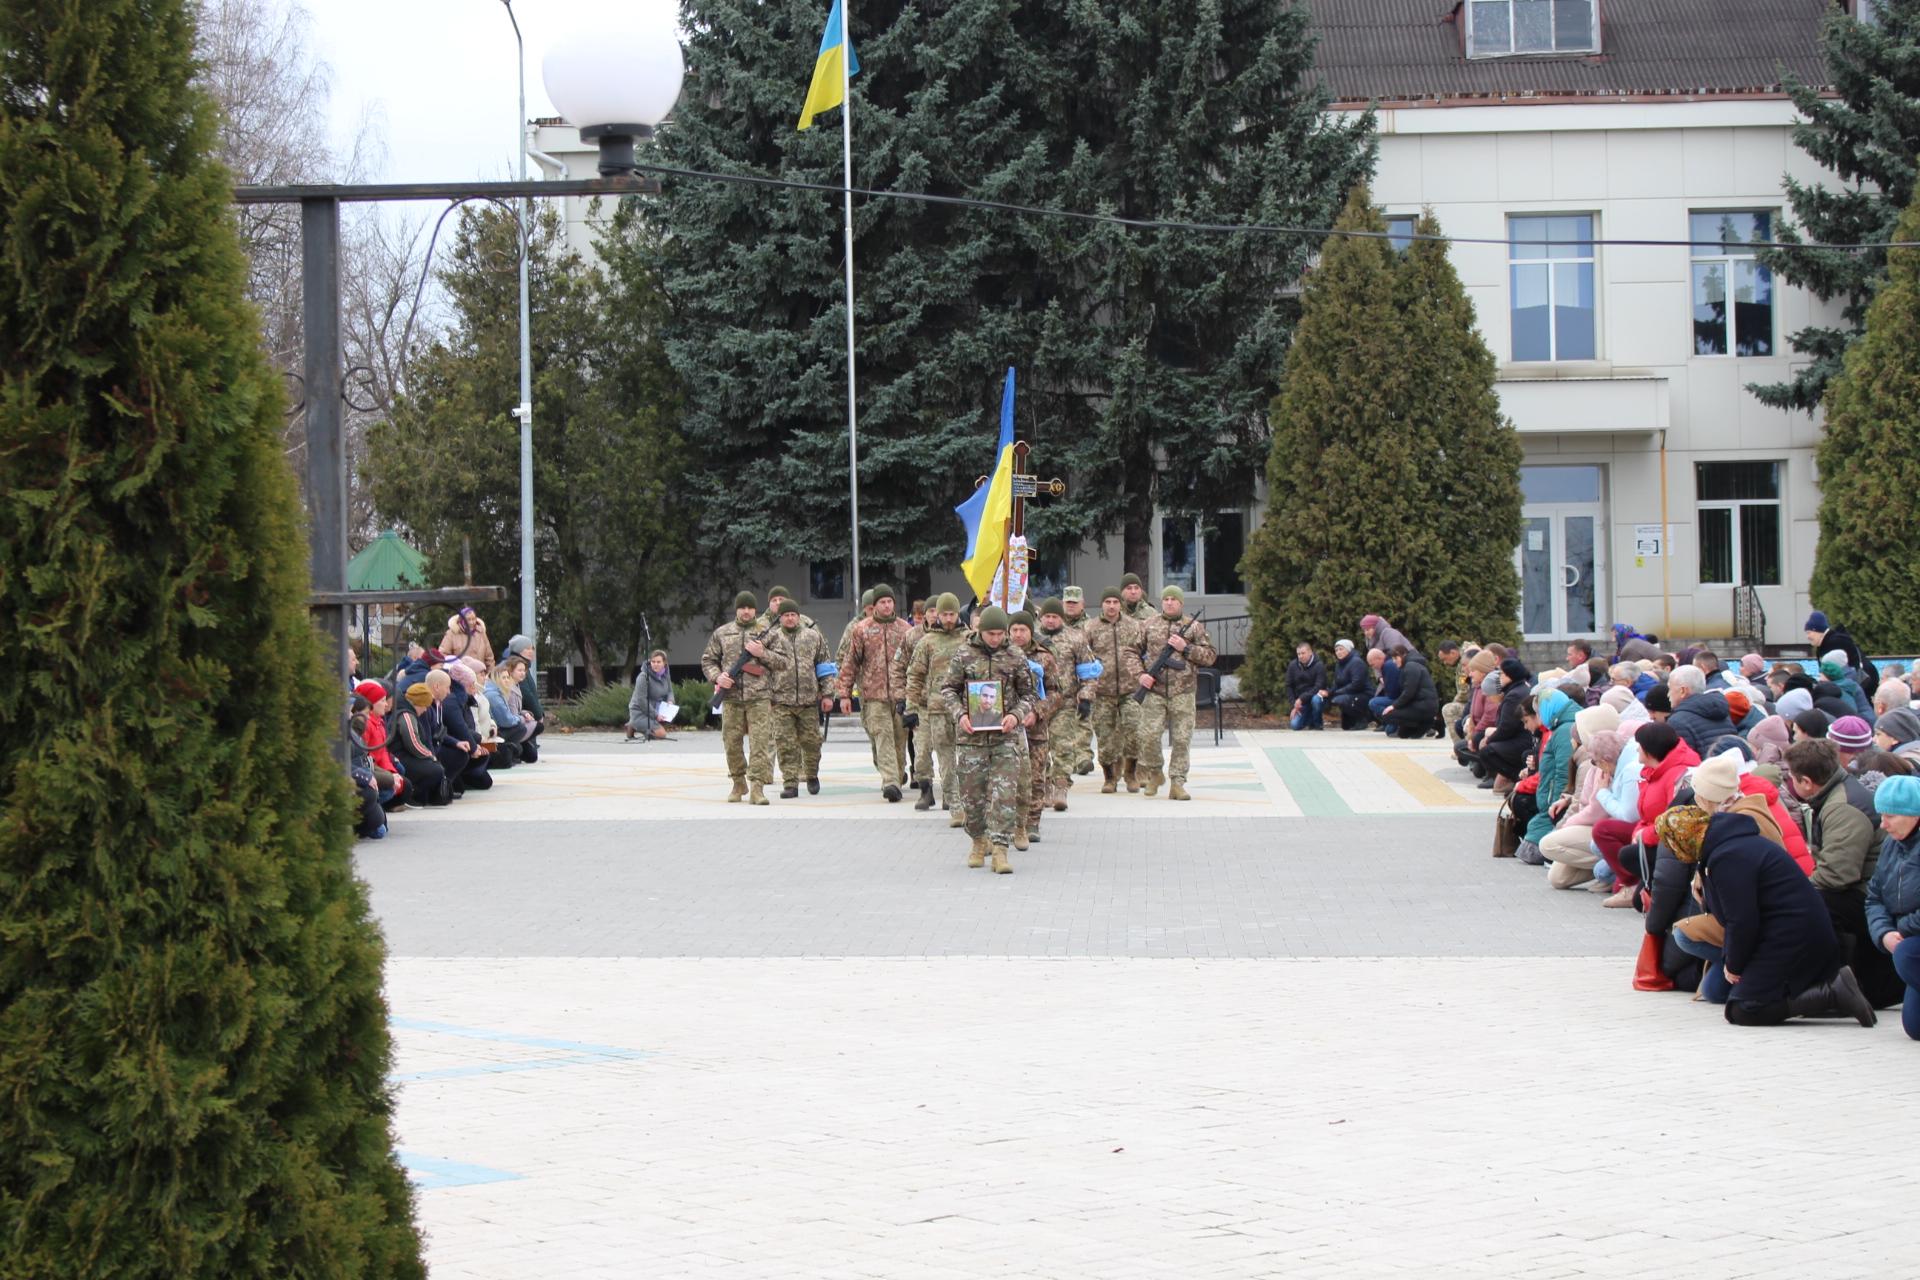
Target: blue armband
823,670
1039,678
1090,670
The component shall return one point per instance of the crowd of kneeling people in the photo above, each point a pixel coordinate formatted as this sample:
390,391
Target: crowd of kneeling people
442,722
1764,819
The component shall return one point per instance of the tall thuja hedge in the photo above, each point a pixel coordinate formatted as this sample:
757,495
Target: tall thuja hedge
1393,482
1869,463
193,1044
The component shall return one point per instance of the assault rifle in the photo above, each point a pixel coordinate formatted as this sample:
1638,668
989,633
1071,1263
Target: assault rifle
1168,660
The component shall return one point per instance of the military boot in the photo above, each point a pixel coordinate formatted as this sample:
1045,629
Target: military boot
978,857
958,818
1060,796
791,791
755,795
1108,786
925,801
1130,770
1084,768
738,793
1033,833
1001,867
1177,792
813,786
1150,782
1020,836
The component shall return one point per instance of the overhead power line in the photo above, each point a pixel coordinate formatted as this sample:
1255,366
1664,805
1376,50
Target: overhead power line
1216,228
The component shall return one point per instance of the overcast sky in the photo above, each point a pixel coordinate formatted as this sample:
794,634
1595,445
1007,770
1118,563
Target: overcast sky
442,75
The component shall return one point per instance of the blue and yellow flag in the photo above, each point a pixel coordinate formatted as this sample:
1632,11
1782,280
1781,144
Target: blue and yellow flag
987,512
828,89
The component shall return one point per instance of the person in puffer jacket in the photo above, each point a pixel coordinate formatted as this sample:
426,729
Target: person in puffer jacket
1893,895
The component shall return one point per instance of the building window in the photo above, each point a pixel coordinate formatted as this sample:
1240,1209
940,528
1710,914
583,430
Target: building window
1499,28
1555,315
1732,293
826,580
1203,556
1739,523
1400,231
1047,576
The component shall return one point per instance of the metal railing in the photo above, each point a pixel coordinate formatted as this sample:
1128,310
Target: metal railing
1749,617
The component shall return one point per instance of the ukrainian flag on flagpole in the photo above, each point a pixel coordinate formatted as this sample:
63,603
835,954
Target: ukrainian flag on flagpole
987,512
828,89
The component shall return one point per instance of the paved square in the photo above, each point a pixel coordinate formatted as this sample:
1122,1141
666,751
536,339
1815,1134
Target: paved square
1302,1026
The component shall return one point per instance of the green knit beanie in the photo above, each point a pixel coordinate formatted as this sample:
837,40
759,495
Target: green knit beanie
746,600
993,618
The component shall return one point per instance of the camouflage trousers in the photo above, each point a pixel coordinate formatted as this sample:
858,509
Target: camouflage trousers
796,732
1113,723
989,787
753,722
1077,749
1035,777
1171,714
922,740
934,744
887,733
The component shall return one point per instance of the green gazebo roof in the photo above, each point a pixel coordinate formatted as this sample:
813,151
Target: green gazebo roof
387,564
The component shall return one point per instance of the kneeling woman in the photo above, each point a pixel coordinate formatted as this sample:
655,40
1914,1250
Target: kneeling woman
1893,895
1781,956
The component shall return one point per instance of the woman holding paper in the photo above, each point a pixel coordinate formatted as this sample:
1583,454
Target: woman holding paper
652,690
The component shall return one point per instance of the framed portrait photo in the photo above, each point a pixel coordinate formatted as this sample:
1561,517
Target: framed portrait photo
986,704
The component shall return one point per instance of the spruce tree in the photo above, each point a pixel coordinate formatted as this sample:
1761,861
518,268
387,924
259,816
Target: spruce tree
1162,349
1869,465
1394,481
1341,473
1465,580
758,329
193,1041
1868,135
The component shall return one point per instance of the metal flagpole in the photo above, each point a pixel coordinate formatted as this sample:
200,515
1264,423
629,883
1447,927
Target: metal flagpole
846,156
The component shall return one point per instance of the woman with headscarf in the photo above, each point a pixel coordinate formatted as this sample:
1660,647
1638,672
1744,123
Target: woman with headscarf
1377,633
1769,740
1687,936
466,637
1505,749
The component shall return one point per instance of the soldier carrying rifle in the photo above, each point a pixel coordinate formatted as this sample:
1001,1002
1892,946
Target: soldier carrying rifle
1176,644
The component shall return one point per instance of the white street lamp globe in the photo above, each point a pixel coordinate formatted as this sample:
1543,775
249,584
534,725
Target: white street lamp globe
614,75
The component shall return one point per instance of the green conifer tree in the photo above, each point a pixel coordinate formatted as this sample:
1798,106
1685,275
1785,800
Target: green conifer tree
1466,586
193,1042
1394,481
1869,463
1340,473
1868,134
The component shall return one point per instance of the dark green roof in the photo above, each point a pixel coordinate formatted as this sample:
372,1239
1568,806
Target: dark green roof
387,564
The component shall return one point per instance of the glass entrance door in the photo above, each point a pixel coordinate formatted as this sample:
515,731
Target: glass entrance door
1562,572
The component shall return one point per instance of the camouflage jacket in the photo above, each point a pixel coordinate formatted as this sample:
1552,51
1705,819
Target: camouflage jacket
1116,646
868,664
1069,645
1140,611
1199,652
929,664
724,647
903,660
974,661
1051,668
798,686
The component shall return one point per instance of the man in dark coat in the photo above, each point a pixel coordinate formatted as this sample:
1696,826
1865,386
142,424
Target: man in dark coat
1352,685
1700,716
1825,638
1306,688
1413,712
1781,954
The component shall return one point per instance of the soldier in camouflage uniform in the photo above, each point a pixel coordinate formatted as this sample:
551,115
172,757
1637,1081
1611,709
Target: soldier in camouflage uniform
927,654
1133,602
785,744
868,667
1168,707
1075,717
1048,698
748,711
924,672
1115,641
988,763
1073,602
1133,599
797,701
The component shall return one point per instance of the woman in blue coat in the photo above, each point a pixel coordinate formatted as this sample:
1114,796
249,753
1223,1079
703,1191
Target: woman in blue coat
1780,955
1893,894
